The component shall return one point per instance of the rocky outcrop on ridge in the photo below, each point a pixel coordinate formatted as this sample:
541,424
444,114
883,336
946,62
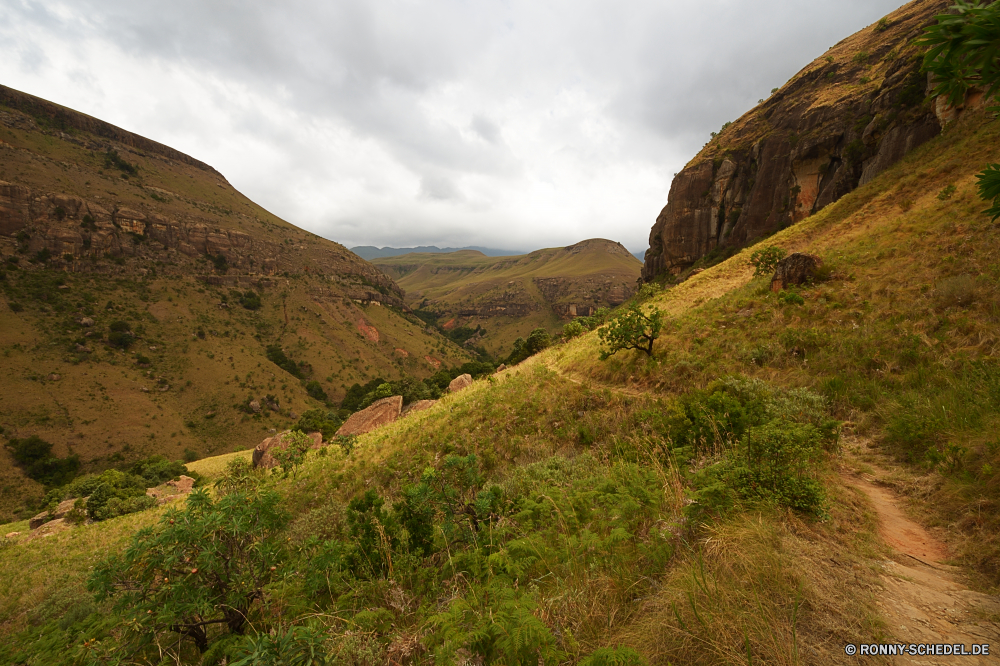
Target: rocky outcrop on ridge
837,124
379,413
263,455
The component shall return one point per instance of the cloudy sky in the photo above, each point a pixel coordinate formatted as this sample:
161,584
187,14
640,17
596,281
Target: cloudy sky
507,123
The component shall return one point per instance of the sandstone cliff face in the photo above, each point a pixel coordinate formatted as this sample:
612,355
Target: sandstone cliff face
837,124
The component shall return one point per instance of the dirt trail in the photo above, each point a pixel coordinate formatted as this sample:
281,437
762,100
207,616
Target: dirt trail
924,600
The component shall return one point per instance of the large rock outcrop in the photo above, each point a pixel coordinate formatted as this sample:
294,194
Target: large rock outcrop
379,413
837,124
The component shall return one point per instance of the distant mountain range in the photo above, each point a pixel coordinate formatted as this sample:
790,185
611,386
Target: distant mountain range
370,252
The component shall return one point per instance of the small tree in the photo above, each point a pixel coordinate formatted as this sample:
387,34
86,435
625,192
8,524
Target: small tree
293,453
765,260
633,329
203,566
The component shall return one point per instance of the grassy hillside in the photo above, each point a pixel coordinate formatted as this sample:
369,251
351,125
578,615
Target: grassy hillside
510,296
202,280
577,511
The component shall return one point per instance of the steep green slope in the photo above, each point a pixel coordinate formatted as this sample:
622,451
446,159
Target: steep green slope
510,296
99,226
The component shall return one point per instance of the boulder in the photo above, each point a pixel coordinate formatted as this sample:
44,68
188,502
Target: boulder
255,406
86,321
796,268
378,414
262,452
501,367
59,512
418,406
53,377
459,383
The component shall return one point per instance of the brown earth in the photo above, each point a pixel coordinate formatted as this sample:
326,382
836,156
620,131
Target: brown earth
925,600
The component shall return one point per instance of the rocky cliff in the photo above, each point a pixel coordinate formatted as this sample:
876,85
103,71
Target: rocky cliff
838,123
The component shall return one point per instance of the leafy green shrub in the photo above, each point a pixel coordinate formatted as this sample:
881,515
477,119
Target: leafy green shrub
572,329
315,390
240,476
790,298
204,566
291,646
989,189
292,455
250,300
947,193
318,420
112,160
15,306
220,262
42,256
276,355
120,334
115,494
766,259
632,329
34,456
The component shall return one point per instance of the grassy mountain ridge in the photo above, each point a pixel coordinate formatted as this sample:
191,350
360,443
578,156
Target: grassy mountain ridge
510,296
101,226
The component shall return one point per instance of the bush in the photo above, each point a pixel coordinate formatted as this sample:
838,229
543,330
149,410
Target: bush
292,646
572,329
34,456
315,390
318,420
633,329
765,260
276,355
206,565
790,298
292,455
250,300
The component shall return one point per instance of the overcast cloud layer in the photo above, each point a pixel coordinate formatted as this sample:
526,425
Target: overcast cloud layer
504,123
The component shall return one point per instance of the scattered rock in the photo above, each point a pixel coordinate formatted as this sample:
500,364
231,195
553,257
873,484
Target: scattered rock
144,389
152,348
83,349
86,321
11,535
796,268
293,416
501,367
255,406
164,388
262,452
418,406
459,383
59,512
379,413
54,377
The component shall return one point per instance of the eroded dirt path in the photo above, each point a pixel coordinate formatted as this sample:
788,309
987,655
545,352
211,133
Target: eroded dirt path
925,600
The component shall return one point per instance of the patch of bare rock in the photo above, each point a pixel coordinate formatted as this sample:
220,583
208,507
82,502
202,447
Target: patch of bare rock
459,383
796,268
379,413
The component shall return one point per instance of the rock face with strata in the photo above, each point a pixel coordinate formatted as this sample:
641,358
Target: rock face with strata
841,121
418,406
263,453
379,413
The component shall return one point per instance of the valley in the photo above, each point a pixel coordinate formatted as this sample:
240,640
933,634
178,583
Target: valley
801,456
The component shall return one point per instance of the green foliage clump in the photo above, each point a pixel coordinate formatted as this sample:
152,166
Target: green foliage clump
321,421
989,189
34,456
315,390
293,453
199,568
220,262
537,340
120,334
754,443
250,300
276,355
790,298
287,646
112,160
632,329
766,259
115,493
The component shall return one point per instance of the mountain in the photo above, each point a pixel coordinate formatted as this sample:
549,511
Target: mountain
510,296
789,474
105,227
370,252
842,120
